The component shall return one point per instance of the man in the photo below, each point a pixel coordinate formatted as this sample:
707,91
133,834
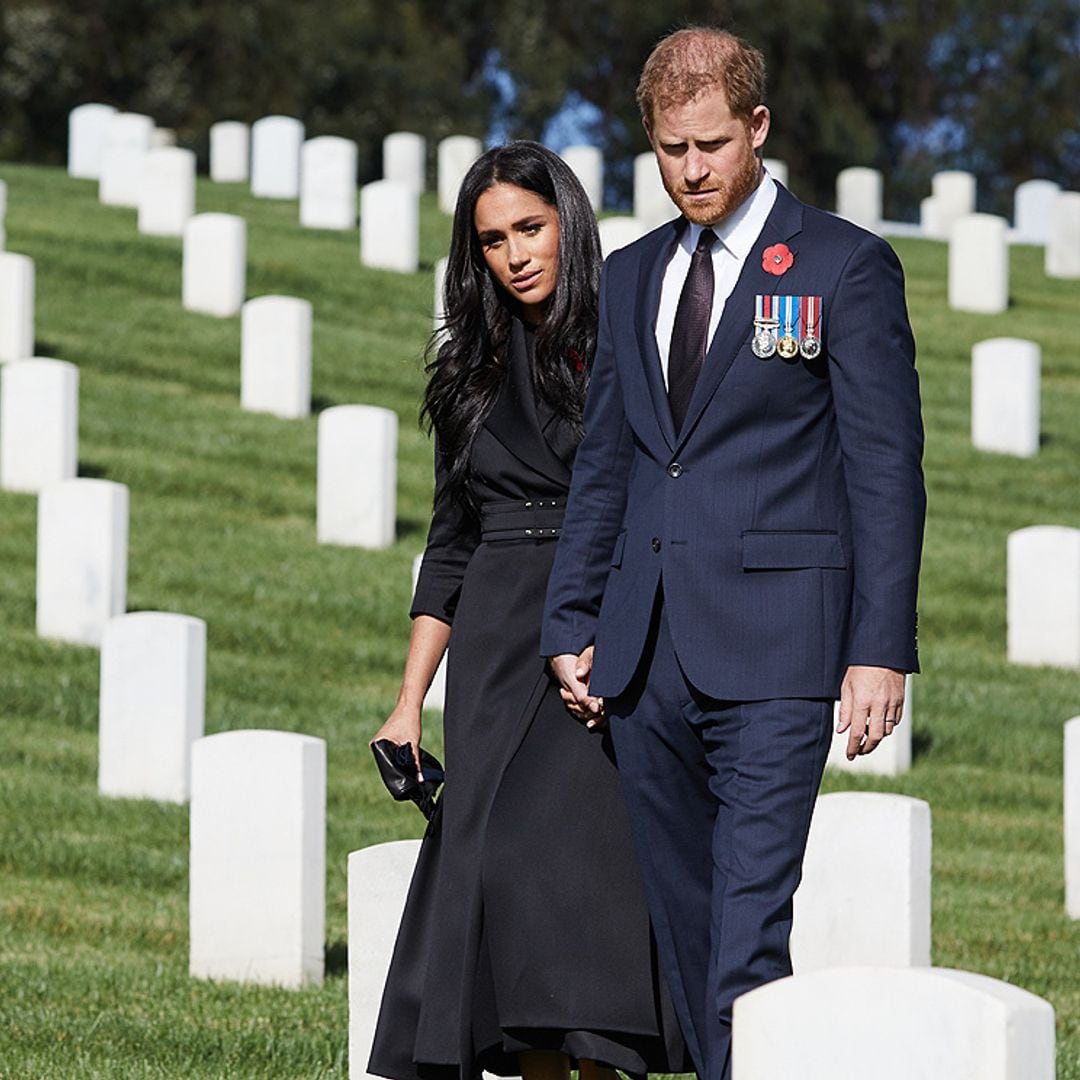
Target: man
742,540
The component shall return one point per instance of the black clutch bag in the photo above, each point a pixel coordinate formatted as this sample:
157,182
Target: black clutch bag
398,771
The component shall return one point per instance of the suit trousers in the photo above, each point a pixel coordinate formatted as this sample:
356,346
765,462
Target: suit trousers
720,795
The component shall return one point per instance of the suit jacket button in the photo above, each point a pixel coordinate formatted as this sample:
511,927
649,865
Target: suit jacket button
674,470
656,544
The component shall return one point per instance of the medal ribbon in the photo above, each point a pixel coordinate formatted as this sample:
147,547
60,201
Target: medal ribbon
812,312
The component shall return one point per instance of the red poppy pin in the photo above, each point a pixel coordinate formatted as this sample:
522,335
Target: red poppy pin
777,259
575,356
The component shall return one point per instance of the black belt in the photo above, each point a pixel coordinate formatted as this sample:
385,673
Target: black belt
521,519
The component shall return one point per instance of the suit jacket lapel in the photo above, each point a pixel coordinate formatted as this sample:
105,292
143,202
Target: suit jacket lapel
514,419
736,324
650,280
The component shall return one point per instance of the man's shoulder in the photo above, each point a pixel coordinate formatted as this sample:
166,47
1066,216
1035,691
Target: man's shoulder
645,248
818,224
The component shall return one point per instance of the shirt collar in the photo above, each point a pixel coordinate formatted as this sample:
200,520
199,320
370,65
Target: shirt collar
739,231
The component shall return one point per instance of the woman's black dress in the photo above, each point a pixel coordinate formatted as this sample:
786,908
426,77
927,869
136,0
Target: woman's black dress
525,925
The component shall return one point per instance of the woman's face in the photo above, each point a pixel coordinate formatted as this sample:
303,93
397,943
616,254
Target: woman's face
519,236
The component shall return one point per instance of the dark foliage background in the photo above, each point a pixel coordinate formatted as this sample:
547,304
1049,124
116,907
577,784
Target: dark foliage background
908,86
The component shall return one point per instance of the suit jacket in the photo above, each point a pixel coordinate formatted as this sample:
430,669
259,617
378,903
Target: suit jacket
786,518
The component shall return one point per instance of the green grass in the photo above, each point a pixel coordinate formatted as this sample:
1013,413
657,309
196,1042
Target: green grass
93,892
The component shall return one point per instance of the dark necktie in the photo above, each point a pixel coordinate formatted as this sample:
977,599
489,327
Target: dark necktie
691,330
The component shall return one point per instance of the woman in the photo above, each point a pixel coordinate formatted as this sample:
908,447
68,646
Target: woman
525,943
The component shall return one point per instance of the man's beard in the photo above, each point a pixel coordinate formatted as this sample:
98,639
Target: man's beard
725,200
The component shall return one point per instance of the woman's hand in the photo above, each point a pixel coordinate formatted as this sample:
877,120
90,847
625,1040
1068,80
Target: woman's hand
403,726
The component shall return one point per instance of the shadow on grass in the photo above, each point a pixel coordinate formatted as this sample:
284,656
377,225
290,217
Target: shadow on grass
336,958
922,742
92,471
405,527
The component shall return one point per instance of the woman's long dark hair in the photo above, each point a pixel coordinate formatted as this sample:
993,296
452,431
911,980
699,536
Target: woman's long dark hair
472,343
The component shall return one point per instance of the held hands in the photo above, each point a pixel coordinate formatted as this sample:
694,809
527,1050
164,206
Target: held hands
871,704
401,727
573,674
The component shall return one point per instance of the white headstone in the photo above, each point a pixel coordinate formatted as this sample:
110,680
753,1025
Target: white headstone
867,865
1043,601
455,157
1033,210
440,285
275,357
39,423
955,194
979,264
405,159
777,169
357,476
16,306
390,226
82,541
127,141
88,126
153,689
258,857
932,1023
652,204
1063,244
3,215
587,164
168,192
891,757
215,264
328,183
379,878
858,196
275,157
617,232
435,698
230,151
1072,818
161,137
932,218
1005,396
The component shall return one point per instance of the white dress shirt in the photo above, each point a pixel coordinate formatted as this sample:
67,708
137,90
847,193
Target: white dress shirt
735,236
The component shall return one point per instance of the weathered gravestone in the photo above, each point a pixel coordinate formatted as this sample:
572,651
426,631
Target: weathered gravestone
39,423
390,226
1043,601
617,232
587,164
1005,396
379,879
215,264
230,151
1033,210
127,142
955,194
652,205
405,159
275,356
979,264
777,169
357,476
867,866
152,695
82,541
928,1024
328,183
16,306
435,698
455,156
275,157
1072,818
167,200
162,137
858,196
88,127
891,757
932,218
1063,245
258,857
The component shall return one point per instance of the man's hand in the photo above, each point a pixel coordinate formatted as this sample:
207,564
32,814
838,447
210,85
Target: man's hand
871,704
573,673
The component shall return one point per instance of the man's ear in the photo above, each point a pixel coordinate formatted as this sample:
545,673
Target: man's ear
648,130
760,120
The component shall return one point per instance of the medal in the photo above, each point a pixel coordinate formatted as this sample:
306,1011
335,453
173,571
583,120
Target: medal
788,346
765,324
811,341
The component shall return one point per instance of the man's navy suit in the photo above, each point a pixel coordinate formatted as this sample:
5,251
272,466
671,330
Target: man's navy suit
731,573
